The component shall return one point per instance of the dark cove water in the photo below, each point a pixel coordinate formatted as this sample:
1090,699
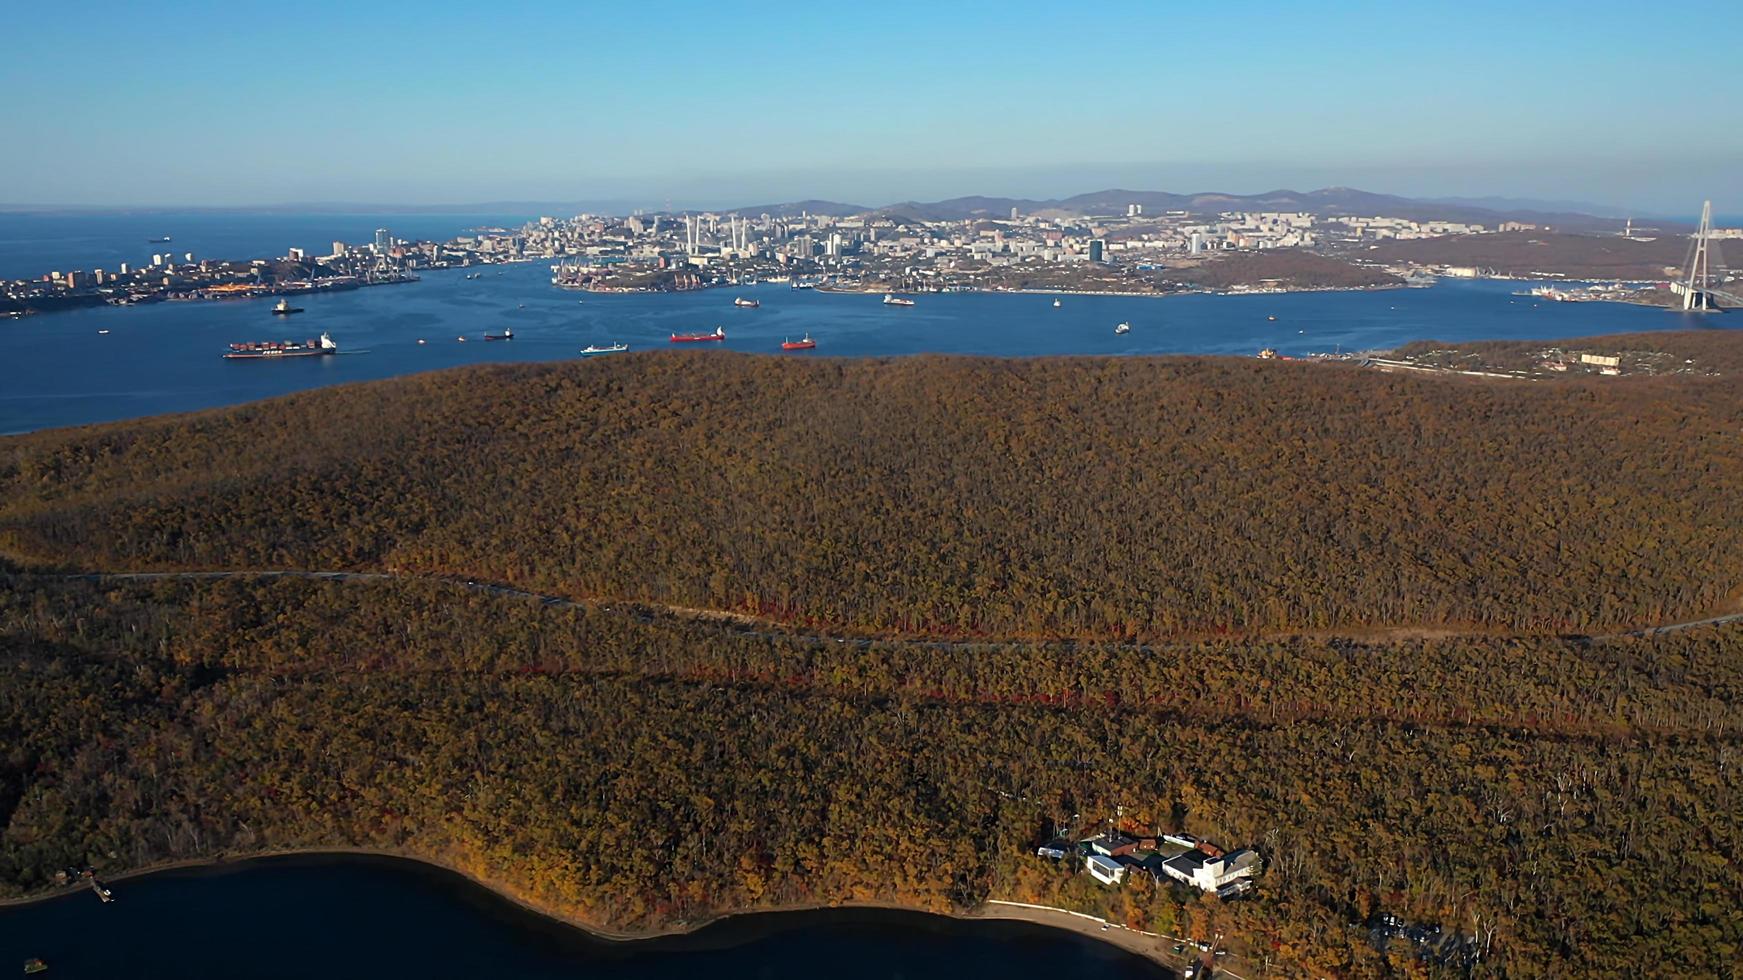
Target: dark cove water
352,916
57,370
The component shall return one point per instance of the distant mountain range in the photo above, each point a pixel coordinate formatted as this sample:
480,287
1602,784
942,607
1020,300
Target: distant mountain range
1329,201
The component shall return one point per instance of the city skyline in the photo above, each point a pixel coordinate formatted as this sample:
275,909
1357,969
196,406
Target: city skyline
703,107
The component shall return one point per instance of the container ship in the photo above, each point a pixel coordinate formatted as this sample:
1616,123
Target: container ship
691,338
282,348
890,300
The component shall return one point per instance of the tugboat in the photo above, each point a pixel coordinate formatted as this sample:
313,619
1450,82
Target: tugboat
806,344
890,300
592,349
34,966
282,348
749,304
285,309
691,338
506,334
1123,328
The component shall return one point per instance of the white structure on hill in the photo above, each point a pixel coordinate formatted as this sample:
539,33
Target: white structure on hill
1200,870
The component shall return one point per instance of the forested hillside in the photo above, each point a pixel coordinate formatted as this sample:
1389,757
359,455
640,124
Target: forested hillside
872,630
1568,809
1087,498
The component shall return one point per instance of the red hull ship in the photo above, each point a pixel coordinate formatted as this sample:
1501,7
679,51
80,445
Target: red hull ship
691,338
805,344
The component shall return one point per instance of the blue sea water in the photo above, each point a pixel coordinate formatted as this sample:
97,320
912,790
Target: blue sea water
57,369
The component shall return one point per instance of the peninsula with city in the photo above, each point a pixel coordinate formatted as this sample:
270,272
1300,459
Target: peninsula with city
1113,242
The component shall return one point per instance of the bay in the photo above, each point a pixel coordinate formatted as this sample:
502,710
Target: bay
58,370
361,916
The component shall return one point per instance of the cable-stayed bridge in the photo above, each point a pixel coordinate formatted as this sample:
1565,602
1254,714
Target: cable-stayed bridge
1704,287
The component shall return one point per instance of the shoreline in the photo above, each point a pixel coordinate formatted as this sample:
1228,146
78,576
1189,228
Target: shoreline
1149,946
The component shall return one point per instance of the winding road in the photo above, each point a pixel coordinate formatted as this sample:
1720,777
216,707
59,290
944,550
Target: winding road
737,623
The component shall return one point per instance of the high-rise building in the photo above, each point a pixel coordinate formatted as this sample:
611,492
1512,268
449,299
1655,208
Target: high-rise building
383,240
123,268
338,249
1096,248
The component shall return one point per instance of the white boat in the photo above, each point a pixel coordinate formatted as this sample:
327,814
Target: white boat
592,349
104,330
1056,304
890,300
1123,328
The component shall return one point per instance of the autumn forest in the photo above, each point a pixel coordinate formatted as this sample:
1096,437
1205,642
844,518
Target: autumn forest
871,630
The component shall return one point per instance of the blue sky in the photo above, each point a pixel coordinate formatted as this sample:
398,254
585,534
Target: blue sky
720,103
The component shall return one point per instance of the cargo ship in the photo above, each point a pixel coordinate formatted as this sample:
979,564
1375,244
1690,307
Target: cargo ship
691,338
806,344
592,349
506,334
890,300
157,241
285,309
749,304
282,348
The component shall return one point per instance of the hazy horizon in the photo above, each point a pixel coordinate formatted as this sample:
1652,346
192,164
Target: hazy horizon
709,106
